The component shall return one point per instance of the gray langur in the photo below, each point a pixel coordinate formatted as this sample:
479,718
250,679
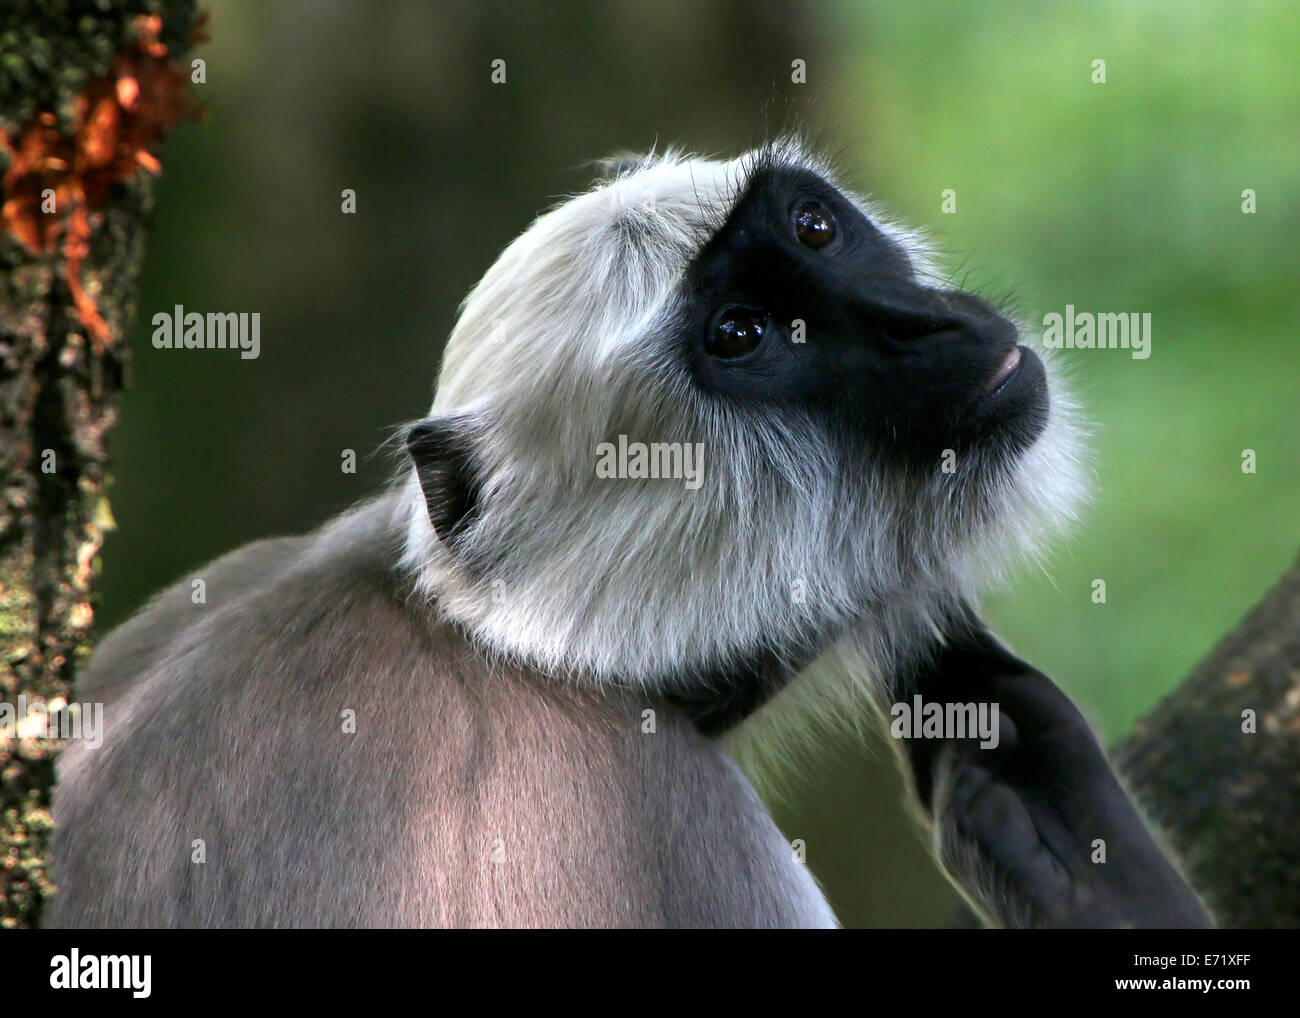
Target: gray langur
510,691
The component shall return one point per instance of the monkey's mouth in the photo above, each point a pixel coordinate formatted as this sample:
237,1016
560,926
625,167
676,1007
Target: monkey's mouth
1014,397
1006,370
1019,382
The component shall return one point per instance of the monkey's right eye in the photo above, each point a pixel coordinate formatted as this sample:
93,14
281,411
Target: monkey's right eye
813,225
736,333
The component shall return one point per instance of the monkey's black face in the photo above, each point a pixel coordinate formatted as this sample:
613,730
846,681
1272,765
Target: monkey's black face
799,300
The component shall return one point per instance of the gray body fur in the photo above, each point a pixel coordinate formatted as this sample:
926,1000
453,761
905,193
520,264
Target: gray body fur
471,794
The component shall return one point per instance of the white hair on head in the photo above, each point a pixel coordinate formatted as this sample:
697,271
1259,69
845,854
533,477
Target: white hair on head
567,343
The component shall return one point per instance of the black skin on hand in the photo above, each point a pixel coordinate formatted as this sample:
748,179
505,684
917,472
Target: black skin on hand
1015,825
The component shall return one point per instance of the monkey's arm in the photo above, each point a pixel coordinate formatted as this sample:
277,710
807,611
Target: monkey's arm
1018,826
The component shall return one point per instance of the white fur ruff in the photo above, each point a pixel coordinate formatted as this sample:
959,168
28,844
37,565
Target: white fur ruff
567,342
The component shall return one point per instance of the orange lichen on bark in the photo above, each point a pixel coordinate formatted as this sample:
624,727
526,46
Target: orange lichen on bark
56,184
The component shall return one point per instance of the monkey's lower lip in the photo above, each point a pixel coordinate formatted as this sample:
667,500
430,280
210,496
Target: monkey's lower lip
1009,366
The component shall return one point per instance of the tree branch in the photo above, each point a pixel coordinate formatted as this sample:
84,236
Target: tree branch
1226,799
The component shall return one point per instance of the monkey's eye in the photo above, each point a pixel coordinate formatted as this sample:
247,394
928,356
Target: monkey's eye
813,225
736,333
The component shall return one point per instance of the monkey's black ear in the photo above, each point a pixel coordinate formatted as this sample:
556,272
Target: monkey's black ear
443,453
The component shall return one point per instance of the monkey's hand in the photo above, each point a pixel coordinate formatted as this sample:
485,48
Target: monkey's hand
1037,831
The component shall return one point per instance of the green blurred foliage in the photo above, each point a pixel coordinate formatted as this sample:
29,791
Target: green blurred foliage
1117,197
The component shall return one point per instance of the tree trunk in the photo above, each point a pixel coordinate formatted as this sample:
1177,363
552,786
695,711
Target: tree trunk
1228,795
86,92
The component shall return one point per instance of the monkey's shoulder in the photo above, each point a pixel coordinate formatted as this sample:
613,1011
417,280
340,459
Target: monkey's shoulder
343,756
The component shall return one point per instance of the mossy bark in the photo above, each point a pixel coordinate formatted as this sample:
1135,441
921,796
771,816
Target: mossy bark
1228,798
77,197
